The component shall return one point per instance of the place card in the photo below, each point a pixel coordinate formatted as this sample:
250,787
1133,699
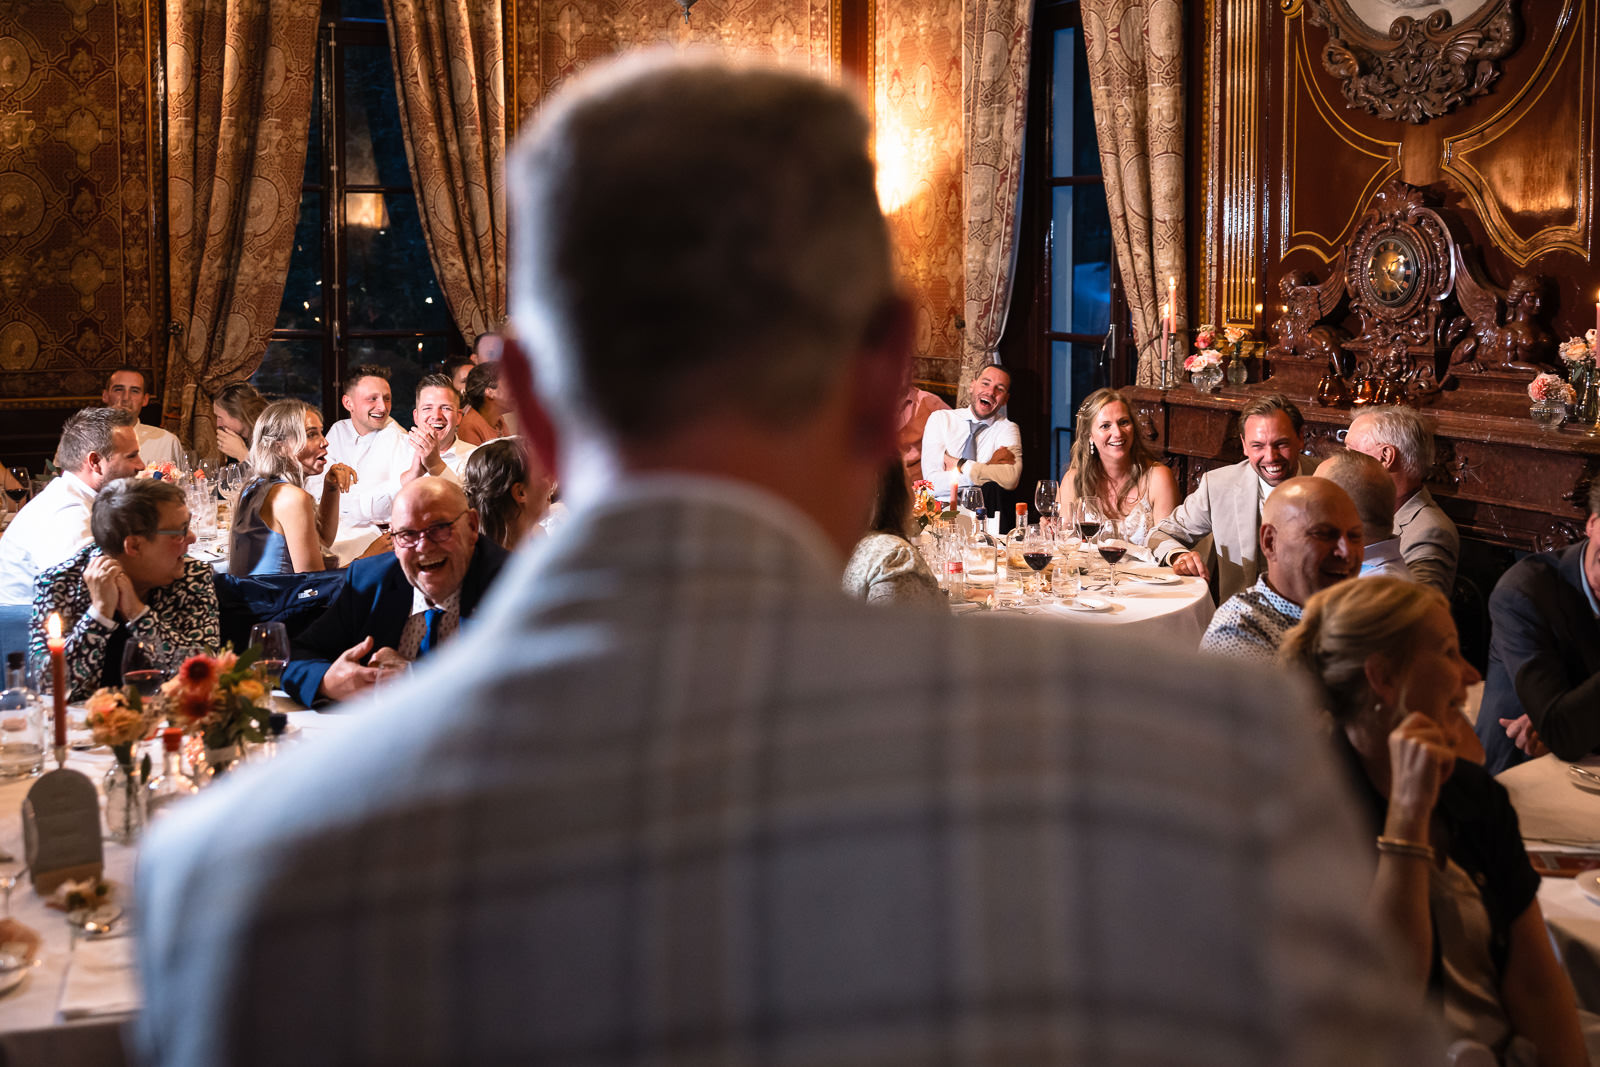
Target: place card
61,830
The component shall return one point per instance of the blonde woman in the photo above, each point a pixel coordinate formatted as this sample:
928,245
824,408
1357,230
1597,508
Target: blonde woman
1453,881
1114,468
236,409
279,528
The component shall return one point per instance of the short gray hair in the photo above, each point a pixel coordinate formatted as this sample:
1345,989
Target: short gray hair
687,228
89,431
129,507
1403,430
1369,485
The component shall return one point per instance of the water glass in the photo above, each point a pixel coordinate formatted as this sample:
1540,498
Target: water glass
22,733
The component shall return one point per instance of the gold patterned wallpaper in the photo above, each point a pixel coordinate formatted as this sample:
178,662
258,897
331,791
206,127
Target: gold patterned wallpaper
79,249
917,111
916,81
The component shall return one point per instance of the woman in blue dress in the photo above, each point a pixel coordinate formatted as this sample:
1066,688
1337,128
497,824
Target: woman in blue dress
278,528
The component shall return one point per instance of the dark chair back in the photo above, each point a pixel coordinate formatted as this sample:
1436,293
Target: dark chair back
292,599
1470,611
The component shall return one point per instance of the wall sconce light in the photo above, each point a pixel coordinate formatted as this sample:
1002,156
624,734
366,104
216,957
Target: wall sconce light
686,5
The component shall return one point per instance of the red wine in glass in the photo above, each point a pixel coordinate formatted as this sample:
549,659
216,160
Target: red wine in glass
1112,553
382,525
16,494
1037,560
1088,529
147,681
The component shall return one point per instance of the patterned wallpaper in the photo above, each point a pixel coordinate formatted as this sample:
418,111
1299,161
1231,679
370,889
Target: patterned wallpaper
78,246
917,107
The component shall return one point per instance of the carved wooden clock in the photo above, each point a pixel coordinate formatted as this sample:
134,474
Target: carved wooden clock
1397,270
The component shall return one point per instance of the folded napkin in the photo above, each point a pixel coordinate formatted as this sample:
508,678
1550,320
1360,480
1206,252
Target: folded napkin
101,980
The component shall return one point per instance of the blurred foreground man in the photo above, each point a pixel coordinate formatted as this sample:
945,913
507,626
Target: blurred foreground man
679,799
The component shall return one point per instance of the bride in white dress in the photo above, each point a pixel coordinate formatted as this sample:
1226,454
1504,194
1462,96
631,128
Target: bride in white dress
1114,467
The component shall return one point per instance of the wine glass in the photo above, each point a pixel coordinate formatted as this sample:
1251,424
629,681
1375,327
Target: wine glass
1036,553
1112,548
19,485
272,638
145,663
1044,499
1087,519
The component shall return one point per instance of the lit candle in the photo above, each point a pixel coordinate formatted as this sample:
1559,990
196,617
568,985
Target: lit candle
1597,318
1172,304
58,676
955,483
1166,330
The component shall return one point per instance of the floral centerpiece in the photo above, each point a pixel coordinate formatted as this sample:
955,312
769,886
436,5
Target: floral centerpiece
925,506
160,471
119,719
218,697
1578,355
1550,396
1204,366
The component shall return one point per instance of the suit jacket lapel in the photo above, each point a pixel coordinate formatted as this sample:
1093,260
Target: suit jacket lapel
391,607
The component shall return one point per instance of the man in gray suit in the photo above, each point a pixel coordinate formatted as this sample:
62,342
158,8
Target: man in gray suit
1217,527
1399,439
680,800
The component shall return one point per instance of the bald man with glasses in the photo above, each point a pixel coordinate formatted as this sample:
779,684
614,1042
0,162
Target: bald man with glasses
395,608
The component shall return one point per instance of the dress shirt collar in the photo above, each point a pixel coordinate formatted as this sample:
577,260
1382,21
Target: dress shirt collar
1275,600
77,487
420,602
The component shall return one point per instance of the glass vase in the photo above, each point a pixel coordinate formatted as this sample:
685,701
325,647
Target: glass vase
1549,414
1236,372
125,803
1206,379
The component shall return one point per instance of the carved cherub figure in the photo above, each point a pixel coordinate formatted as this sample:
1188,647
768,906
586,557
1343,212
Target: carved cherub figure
1504,331
1299,332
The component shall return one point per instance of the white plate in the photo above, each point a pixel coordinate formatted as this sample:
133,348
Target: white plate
1087,603
1153,579
1585,779
1589,882
10,979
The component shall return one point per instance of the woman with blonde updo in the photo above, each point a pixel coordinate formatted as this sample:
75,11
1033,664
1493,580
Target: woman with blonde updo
278,528
236,409
1113,467
1453,881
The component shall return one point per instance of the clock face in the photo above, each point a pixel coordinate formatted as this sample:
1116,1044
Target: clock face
1392,270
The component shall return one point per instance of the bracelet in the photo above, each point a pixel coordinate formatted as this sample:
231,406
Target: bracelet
1405,848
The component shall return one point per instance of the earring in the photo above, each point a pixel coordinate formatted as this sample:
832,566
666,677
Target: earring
1091,448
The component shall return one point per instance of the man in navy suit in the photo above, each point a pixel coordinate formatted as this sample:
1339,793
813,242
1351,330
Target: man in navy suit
1543,684
396,608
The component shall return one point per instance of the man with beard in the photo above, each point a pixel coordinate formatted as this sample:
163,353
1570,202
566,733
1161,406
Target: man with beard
370,443
1227,503
1311,535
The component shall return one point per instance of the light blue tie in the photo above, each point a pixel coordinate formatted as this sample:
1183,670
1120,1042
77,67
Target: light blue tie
970,449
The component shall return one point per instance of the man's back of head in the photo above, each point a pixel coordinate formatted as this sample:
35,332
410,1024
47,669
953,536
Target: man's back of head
1399,439
695,237
1368,486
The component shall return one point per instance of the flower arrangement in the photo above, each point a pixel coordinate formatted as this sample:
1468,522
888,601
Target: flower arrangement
925,506
1550,388
119,719
1577,351
218,697
1224,344
160,471
1206,357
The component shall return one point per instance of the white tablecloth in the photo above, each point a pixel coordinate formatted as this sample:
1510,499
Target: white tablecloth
1167,616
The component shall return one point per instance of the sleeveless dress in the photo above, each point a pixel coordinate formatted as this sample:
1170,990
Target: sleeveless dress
253,546
1139,523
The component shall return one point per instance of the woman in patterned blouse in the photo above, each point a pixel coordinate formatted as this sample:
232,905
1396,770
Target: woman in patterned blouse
134,581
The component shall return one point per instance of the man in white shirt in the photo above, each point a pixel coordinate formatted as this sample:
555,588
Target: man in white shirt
438,451
125,389
370,443
98,445
974,445
1369,487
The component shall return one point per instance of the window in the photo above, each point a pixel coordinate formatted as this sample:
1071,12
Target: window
1079,293
361,287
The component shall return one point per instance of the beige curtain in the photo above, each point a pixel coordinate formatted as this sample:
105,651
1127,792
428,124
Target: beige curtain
451,76
1135,50
995,41
239,79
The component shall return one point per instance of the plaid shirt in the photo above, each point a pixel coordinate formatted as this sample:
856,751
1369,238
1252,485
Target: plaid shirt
681,801
181,616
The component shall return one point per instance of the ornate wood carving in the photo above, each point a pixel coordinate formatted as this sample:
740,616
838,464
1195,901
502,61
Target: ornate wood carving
1413,70
1501,329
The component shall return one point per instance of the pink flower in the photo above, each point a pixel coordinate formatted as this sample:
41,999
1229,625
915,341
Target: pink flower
1549,387
1203,340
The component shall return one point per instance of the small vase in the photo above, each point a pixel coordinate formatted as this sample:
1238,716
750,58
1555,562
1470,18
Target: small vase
1548,414
1237,373
1206,379
220,759
125,804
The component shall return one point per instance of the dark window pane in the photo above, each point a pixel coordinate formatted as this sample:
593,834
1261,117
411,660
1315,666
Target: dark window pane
1080,257
1074,150
374,147
361,9
408,359
1075,372
1086,143
302,307
390,282
313,175
291,367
